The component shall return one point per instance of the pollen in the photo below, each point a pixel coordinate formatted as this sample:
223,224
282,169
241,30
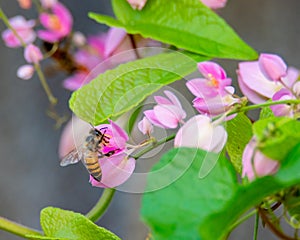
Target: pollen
54,23
213,82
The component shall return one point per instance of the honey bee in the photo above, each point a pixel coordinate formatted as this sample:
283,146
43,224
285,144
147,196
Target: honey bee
64,59
90,152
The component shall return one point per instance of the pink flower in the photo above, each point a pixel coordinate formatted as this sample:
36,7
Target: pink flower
115,171
48,3
32,54
214,95
25,4
137,4
118,138
214,83
254,85
272,66
25,72
58,25
282,109
256,164
200,132
24,30
260,80
145,126
168,113
214,4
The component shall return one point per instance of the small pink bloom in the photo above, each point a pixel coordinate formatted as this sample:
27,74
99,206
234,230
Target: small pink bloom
32,54
291,77
200,132
115,171
137,4
24,30
48,3
168,113
58,25
254,85
25,4
214,4
25,72
272,66
214,106
214,83
254,159
282,109
145,126
79,39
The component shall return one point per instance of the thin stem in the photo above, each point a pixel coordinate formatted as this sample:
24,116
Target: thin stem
266,104
17,229
45,85
7,23
242,219
154,145
98,210
256,226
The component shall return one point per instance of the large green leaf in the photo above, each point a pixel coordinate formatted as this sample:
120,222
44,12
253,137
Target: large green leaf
61,224
277,136
239,132
121,89
176,210
194,208
216,226
186,24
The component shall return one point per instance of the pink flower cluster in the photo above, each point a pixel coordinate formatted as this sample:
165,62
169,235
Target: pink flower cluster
270,78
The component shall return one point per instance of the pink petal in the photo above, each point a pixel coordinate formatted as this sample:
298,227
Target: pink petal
115,171
251,76
173,99
118,131
114,38
75,82
196,85
162,100
282,109
48,36
291,77
145,126
137,4
272,66
152,118
214,4
263,165
211,68
168,115
199,132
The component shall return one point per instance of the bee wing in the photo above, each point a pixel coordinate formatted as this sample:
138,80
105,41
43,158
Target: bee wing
72,157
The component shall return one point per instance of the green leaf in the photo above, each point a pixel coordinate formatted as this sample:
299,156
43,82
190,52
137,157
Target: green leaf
177,199
217,225
239,131
186,24
277,136
43,237
123,88
61,224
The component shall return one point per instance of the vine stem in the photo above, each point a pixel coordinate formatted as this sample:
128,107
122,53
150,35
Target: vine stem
153,145
255,232
37,67
99,209
17,229
266,104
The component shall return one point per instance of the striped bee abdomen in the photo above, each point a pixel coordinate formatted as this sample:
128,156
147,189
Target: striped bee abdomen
92,165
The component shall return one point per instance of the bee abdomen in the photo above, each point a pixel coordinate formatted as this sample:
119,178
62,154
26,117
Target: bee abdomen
92,165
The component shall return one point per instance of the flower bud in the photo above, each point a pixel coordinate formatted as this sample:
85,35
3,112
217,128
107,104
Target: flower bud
32,54
145,126
25,72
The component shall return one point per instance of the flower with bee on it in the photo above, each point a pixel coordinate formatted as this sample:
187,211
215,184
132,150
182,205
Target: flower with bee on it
103,153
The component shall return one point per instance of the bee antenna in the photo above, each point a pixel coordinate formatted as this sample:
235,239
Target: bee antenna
92,125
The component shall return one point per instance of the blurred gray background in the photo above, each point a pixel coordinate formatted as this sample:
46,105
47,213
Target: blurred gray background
30,176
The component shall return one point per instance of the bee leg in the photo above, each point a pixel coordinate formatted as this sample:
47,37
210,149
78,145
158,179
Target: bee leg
97,179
